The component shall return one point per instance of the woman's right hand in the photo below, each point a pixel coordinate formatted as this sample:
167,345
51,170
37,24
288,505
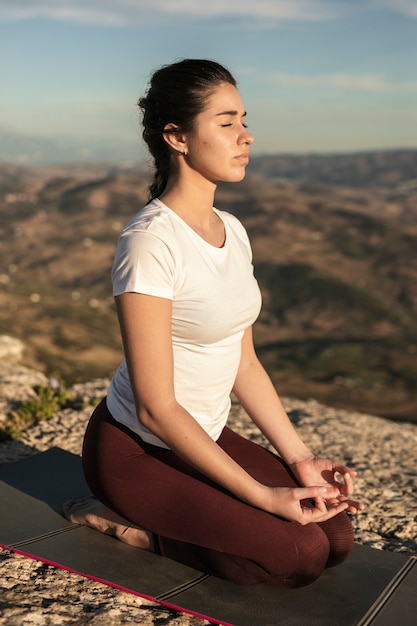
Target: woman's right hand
301,504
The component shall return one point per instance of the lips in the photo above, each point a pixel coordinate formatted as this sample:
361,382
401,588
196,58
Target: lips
244,157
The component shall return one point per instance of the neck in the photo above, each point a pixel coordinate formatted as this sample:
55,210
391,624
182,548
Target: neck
191,201
194,205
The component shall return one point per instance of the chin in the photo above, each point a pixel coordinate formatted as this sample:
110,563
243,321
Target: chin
241,176
235,178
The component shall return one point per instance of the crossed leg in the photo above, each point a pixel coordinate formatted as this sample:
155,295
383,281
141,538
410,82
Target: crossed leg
195,521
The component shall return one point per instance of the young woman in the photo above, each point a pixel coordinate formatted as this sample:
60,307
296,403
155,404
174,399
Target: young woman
166,472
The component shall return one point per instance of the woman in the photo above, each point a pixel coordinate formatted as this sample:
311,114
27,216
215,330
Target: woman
167,474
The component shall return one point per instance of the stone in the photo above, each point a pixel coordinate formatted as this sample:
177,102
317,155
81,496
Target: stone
382,451
11,349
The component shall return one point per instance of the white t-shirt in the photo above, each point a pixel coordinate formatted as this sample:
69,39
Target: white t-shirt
215,297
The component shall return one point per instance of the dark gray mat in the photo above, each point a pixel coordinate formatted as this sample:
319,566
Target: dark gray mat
371,587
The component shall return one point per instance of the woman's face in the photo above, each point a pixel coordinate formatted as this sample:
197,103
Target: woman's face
218,146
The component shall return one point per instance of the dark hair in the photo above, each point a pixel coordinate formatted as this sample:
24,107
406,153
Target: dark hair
177,93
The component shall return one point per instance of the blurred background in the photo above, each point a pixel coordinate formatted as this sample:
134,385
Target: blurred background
329,200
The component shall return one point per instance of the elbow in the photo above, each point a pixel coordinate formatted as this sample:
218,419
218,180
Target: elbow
146,416
153,417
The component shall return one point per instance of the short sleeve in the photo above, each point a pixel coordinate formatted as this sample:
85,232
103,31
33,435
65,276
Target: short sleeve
144,264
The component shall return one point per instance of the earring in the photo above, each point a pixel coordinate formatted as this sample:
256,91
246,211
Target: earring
185,152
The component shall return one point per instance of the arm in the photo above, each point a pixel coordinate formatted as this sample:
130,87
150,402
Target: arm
257,395
259,398
145,323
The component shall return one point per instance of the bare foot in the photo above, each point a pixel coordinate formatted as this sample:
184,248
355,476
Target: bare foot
91,512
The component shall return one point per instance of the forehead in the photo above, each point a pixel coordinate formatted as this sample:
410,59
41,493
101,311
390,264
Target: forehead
224,98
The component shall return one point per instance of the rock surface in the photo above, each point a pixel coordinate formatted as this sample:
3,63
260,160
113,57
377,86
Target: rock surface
11,349
382,452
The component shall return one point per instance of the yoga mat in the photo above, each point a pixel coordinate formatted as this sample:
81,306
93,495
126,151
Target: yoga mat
371,587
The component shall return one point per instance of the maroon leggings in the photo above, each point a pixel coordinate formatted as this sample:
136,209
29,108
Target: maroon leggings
201,524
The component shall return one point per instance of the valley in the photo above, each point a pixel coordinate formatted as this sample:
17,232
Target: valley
336,259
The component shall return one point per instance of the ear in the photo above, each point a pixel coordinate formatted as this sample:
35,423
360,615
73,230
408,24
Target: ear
174,138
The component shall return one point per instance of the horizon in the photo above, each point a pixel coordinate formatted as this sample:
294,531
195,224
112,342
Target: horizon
316,76
98,159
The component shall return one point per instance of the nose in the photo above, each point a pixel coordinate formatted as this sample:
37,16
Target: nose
246,137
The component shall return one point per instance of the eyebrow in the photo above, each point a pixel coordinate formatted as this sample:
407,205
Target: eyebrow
230,113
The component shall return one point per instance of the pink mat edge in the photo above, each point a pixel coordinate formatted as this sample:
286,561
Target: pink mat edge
114,585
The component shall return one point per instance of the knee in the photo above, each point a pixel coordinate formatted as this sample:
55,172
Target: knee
310,553
309,565
340,540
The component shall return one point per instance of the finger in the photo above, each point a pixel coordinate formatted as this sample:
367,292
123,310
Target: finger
344,483
305,493
347,487
358,506
317,515
343,469
320,504
333,501
333,491
353,505
344,480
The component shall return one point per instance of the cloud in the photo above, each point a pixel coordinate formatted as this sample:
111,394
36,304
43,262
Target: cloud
354,82
127,12
404,7
120,12
304,10
61,11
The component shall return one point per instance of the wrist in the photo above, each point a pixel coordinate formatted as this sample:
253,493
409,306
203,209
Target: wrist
293,450
297,461
257,495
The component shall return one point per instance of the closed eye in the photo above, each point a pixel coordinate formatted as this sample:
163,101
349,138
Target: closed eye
226,125
235,114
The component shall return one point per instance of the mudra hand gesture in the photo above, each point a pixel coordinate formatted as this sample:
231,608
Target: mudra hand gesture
314,471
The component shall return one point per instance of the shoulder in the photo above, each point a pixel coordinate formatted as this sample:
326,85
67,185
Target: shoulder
152,224
151,217
148,235
147,258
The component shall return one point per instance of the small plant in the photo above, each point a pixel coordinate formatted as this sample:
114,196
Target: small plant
49,399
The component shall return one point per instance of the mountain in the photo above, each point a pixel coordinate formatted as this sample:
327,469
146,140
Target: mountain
32,150
337,266
387,168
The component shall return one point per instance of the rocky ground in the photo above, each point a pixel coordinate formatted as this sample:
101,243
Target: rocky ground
382,452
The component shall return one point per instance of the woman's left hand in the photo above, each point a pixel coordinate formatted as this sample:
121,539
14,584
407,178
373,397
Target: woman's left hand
315,471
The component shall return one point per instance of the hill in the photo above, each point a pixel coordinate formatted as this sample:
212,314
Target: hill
337,266
23,149
390,168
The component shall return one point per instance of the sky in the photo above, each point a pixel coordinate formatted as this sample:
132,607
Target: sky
315,75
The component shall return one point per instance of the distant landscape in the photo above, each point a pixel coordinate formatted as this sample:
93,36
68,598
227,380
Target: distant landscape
335,249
